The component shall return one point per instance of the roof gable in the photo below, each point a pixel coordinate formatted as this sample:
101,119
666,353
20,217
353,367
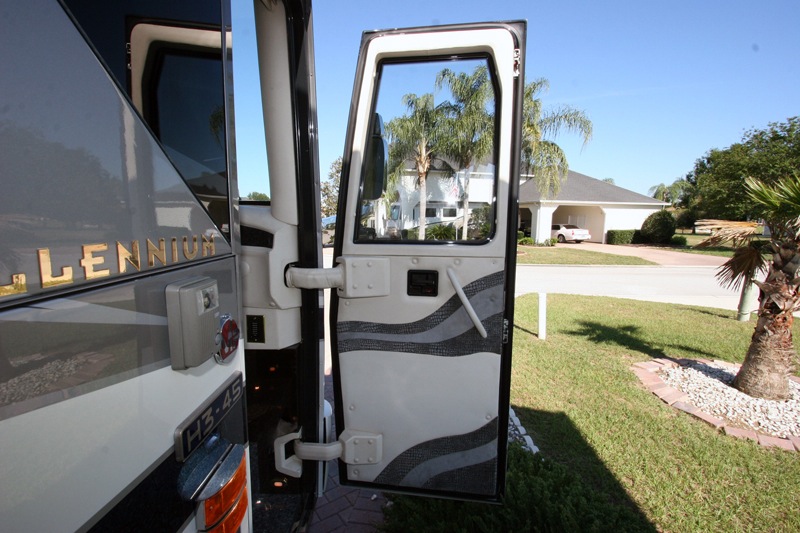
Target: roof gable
585,189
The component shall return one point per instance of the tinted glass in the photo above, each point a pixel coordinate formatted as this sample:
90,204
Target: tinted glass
189,118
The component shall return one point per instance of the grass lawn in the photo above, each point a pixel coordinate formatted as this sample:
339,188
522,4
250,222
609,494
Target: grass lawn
585,409
551,255
725,250
616,458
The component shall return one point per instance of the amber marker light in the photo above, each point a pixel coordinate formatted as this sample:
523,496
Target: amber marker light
225,510
232,522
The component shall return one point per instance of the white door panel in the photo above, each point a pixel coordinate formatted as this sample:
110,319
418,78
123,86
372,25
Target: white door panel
421,327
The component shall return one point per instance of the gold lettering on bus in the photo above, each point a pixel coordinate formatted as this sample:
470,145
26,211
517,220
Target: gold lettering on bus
90,261
97,261
19,285
208,246
46,271
156,252
186,253
125,257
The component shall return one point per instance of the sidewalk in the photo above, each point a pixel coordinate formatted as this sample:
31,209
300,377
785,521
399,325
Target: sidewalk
659,256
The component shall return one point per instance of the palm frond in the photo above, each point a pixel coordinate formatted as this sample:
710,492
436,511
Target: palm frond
722,231
746,262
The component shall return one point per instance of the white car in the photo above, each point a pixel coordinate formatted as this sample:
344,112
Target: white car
569,232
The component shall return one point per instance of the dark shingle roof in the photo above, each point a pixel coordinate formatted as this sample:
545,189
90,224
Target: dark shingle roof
582,188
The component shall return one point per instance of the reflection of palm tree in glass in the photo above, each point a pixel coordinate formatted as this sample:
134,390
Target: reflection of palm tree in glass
469,122
216,123
417,136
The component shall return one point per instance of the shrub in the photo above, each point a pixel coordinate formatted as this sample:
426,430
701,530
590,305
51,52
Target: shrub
659,227
440,232
540,496
620,236
678,240
520,235
525,241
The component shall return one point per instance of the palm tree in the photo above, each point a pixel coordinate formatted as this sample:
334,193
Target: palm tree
771,355
416,136
660,192
674,194
469,123
540,156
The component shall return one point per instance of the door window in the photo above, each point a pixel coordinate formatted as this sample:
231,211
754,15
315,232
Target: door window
439,130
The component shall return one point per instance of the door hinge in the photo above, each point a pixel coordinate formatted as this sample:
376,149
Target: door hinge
505,331
353,448
517,55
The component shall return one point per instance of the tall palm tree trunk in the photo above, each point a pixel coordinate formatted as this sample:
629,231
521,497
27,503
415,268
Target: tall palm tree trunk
423,205
465,225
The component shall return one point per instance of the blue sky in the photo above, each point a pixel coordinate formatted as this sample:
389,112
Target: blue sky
663,82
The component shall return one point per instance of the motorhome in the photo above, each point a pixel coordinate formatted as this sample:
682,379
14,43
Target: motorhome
161,339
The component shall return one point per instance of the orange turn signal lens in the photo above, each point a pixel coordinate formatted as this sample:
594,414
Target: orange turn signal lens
232,522
232,494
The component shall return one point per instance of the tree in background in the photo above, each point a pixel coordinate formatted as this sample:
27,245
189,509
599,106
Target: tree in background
417,135
541,156
676,194
719,177
329,189
771,355
469,123
258,196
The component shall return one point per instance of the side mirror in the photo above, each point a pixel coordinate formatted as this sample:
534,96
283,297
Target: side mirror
376,160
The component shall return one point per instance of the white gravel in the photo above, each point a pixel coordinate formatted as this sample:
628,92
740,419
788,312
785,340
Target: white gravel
708,388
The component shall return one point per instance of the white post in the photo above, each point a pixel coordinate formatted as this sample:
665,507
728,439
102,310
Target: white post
747,301
542,316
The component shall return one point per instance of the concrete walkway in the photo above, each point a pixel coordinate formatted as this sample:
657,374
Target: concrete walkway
660,256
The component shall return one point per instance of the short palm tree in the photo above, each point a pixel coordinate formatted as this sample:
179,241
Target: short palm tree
541,156
771,356
416,136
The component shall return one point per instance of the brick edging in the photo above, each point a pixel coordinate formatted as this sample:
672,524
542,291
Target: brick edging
647,372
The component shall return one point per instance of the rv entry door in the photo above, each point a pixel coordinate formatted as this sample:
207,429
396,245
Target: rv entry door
426,240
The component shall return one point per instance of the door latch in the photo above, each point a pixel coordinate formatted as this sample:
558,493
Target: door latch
352,277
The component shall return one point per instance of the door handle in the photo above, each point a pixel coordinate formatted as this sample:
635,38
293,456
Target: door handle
465,302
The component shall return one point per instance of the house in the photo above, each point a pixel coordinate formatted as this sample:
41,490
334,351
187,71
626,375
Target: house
586,202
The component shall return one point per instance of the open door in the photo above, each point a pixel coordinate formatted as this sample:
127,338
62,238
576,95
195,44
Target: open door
426,241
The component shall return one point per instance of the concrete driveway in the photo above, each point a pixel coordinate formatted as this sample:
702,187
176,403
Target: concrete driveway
678,278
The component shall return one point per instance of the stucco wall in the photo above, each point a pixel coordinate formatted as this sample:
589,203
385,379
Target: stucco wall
627,217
